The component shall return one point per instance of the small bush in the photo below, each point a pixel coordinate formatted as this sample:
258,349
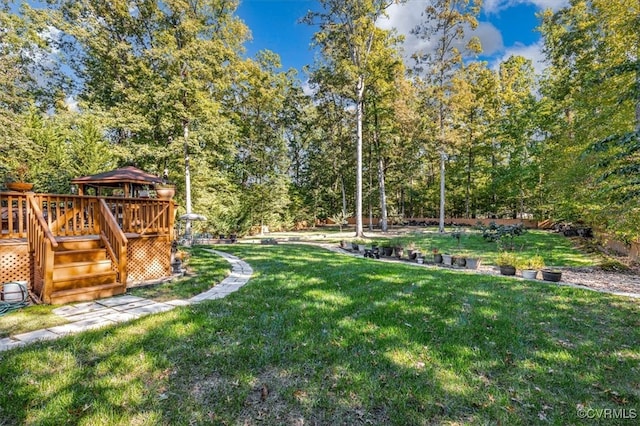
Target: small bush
504,235
506,258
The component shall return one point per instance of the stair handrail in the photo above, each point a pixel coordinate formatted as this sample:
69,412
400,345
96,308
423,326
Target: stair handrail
41,246
115,240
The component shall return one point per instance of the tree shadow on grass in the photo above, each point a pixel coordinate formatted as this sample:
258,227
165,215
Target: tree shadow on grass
326,339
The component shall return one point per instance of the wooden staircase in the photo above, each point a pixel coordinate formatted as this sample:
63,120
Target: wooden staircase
82,271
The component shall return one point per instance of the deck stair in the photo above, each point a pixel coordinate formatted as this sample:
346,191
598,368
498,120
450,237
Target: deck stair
83,271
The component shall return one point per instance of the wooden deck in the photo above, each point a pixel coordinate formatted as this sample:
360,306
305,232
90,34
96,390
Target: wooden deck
71,248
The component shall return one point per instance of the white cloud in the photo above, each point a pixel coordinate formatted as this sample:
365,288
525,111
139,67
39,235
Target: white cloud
406,17
490,38
532,52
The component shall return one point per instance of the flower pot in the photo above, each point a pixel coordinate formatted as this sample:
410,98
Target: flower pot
361,248
420,260
507,270
461,262
447,259
166,192
553,276
354,246
437,258
19,186
412,254
529,274
473,262
387,251
399,252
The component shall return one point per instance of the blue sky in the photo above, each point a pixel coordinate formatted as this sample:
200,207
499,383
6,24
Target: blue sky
506,27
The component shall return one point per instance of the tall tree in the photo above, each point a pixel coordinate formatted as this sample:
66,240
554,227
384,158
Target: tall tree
594,86
346,37
161,69
444,25
27,79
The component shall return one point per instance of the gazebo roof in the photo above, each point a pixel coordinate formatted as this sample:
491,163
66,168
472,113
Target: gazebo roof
128,174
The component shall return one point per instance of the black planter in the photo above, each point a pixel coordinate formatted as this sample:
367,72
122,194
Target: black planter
387,251
412,254
461,261
553,276
437,258
507,270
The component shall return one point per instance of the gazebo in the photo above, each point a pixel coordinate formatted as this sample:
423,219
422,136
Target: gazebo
80,247
127,181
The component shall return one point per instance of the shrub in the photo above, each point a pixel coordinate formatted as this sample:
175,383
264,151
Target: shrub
504,235
533,262
506,258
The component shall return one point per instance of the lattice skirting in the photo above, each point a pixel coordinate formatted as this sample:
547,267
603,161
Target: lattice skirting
14,263
149,258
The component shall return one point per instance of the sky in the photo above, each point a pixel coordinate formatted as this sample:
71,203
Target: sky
506,27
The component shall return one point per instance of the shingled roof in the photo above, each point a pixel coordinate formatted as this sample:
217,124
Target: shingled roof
128,174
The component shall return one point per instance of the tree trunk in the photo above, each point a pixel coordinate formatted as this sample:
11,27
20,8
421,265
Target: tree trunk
187,177
637,90
370,189
384,220
467,201
359,118
443,157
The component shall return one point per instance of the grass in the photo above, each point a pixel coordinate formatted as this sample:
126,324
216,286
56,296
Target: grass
555,249
210,269
28,319
339,340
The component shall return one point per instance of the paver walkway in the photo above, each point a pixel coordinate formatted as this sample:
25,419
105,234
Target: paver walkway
99,313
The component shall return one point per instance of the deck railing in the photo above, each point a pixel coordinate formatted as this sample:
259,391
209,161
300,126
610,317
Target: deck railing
41,244
142,215
13,215
114,240
74,215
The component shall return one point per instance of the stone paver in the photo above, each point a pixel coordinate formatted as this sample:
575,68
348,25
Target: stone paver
100,313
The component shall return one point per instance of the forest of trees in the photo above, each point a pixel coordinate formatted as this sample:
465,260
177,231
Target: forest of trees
87,86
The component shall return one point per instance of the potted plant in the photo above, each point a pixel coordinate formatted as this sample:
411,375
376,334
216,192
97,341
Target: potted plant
437,257
531,266
447,259
18,180
460,261
412,253
359,245
165,191
472,262
398,246
387,249
553,275
507,262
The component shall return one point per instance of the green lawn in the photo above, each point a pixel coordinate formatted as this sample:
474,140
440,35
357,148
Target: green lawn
554,248
339,340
